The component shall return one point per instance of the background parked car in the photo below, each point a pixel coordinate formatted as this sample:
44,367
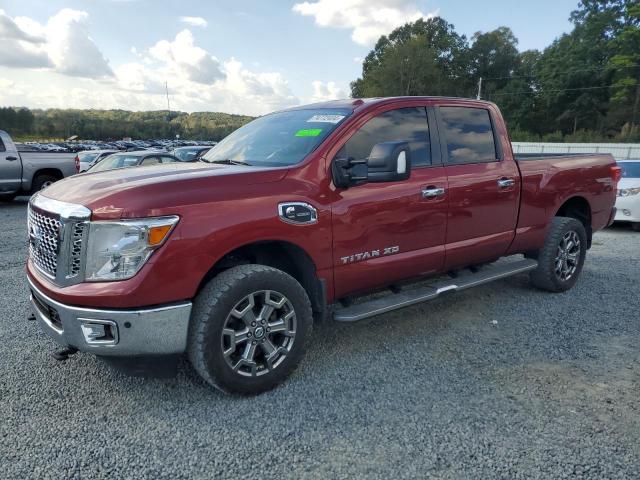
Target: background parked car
88,158
133,159
191,154
628,199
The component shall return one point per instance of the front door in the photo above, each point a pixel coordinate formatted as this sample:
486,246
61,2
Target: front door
10,169
386,232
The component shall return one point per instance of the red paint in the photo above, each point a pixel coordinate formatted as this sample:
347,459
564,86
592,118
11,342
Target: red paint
222,208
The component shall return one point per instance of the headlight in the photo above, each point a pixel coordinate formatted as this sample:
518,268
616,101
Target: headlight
626,192
117,250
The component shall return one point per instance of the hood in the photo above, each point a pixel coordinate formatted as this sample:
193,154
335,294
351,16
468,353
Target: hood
137,191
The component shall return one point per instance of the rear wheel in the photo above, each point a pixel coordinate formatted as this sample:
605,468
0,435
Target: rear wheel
43,181
561,258
635,226
249,329
7,197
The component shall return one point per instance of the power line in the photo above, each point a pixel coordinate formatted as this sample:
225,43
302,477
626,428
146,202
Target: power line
566,72
529,92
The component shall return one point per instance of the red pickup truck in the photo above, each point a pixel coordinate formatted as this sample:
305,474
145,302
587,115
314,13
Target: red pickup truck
294,218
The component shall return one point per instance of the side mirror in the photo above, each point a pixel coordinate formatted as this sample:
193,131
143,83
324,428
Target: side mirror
387,162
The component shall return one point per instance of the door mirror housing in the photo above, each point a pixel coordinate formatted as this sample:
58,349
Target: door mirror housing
387,162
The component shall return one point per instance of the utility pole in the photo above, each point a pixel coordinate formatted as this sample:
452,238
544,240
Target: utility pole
166,87
479,88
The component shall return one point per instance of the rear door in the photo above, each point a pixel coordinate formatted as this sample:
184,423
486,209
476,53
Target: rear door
484,186
10,167
386,232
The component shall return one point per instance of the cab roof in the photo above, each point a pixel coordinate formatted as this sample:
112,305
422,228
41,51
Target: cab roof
354,104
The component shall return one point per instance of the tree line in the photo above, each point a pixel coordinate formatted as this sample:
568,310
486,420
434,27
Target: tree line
583,87
23,123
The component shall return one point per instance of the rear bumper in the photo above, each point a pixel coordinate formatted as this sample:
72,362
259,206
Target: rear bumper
628,209
149,331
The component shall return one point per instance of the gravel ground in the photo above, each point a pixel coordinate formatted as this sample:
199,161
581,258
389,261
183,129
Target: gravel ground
500,381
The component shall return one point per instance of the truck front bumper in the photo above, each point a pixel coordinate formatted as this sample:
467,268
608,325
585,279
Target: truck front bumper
146,331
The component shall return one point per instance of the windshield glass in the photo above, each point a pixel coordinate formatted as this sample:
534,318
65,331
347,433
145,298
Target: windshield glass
115,161
87,157
188,153
279,139
630,169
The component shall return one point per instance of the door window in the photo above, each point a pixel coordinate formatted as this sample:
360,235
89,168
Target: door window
469,135
403,124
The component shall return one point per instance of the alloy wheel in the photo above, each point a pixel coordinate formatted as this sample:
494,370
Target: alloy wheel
258,333
568,256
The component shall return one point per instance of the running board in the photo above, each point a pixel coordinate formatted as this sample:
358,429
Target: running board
406,298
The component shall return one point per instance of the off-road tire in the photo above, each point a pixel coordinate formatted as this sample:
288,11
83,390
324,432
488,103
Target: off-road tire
213,305
545,276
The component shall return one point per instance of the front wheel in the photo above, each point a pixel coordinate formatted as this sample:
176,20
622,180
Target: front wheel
249,329
561,258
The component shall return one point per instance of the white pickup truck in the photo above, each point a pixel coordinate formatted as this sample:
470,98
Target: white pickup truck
22,173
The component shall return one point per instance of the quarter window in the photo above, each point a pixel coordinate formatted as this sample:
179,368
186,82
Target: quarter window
469,135
403,124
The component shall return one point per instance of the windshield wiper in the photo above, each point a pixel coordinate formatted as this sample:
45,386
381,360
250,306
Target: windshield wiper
227,161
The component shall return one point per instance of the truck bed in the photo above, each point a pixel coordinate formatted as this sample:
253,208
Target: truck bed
546,179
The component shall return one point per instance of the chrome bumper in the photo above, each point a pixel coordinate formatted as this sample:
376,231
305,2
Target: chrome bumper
149,331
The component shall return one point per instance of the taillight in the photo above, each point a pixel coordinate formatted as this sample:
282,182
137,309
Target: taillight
616,173
77,160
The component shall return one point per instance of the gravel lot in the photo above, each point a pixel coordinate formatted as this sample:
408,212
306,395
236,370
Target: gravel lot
552,390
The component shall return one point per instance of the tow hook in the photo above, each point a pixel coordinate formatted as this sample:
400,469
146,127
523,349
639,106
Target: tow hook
31,317
64,354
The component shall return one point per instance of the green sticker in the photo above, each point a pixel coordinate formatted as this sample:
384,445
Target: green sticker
309,132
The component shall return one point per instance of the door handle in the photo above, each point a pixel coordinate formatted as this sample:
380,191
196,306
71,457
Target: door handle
432,192
506,182
11,158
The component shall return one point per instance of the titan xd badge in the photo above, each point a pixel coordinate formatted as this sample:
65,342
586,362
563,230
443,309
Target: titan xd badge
298,213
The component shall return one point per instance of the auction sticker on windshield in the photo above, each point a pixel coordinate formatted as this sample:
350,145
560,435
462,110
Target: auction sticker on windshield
326,118
309,132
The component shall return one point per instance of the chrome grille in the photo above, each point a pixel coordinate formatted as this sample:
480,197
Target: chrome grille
75,256
44,235
57,233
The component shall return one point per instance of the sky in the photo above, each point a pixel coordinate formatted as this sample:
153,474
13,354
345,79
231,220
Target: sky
235,56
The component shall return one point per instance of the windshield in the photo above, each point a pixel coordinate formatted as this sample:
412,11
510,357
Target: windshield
116,161
188,154
630,169
87,157
279,139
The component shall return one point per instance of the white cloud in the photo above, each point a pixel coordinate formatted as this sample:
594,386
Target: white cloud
20,49
183,58
326,91
197,80
63,44
194,21
71,48
368,19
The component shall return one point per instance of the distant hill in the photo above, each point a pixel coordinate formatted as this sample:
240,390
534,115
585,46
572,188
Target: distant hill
113,124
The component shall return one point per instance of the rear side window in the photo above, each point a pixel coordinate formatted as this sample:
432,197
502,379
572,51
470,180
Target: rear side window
403,124
630,169
167,159
468,134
